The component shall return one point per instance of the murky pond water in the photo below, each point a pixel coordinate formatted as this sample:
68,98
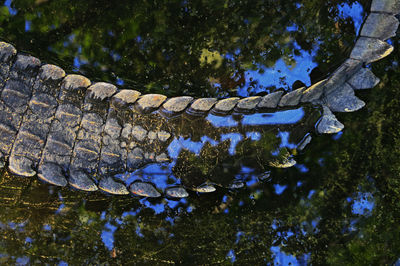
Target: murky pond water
338,205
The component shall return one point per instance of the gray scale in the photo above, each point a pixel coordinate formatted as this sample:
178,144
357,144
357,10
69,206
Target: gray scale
135,158
135,136
270,100
7,54
226,105
136,152
144,189
248,103
149,140
113,157
177,104
363,79
205,188
176,192
32,135
88,144
292,98
56,155
370,50
14,99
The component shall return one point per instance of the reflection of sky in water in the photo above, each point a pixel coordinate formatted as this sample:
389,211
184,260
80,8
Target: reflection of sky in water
283,75
107,235
355,12
234,138
272,76
175,147
28,25
284,135
252,181
231,255
277,118
337,135
285,117
60,208
190,145
279,75
222,121
23,261
47,227
12,11
138,231
363,204
281,258
253,135
156,207
302,168
161,175
279,188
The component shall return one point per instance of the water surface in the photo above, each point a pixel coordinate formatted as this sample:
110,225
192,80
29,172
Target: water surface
338,205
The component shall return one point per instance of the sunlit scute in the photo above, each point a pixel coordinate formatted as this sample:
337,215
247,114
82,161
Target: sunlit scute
205,188
144,189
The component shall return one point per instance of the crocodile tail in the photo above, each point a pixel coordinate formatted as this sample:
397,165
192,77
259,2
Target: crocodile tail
69,131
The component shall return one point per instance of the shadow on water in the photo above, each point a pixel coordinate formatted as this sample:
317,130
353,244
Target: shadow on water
338,205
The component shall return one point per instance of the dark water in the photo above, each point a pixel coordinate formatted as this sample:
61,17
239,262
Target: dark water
339,205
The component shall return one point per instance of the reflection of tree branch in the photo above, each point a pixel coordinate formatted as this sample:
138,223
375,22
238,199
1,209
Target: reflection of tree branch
154,259
40,255
84,19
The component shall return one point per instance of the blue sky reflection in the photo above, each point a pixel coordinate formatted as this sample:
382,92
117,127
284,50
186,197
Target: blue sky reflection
278,118
272,76
281,258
